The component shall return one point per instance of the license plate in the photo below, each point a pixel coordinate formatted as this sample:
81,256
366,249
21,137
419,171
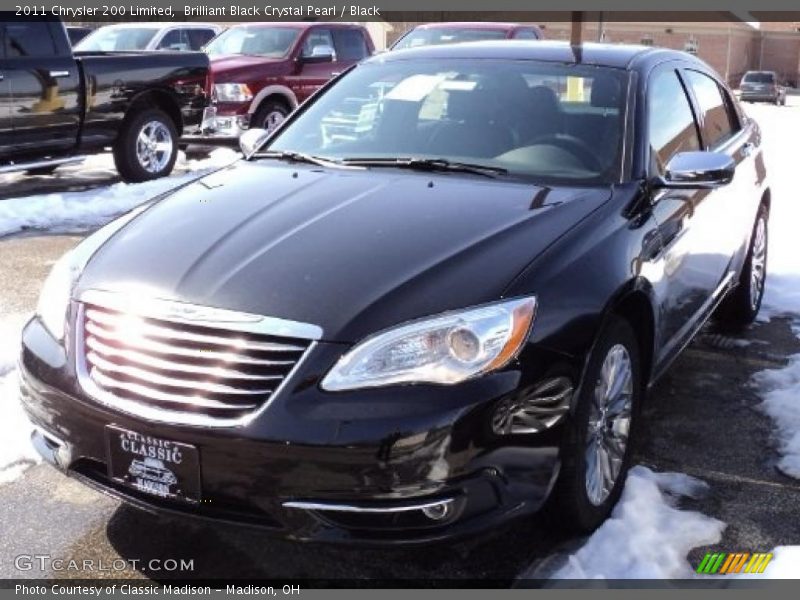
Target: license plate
153,465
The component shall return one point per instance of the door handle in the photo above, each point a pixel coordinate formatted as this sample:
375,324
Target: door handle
56,74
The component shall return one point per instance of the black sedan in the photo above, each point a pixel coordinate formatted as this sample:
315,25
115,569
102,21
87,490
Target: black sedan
432,301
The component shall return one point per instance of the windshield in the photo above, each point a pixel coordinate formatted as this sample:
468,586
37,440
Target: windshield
759,78
538,120
272,42
117,39
449,35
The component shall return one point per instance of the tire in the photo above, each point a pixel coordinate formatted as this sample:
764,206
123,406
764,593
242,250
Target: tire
134,159
270,114
740,307
49,170
577,500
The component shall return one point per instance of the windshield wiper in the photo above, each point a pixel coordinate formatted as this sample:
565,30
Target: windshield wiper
428,164
293,156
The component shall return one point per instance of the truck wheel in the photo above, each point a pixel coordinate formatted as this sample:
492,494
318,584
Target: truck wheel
147,146
597,451
270,114
740,307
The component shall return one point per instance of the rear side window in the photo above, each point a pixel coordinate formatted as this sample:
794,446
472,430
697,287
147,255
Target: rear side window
717,119
350,44
525,34
671,126
200,37
24,39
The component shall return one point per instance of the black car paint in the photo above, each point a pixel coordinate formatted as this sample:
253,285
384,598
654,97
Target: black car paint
82,109
310,247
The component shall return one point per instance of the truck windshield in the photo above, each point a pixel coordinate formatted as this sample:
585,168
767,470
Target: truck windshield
117,39
521,118
447,35
272,42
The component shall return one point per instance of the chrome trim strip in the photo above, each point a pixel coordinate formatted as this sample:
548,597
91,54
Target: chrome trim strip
205,316
352,508
162,415
151,329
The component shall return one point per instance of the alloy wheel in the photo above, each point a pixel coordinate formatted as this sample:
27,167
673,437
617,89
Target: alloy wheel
154,146
609,424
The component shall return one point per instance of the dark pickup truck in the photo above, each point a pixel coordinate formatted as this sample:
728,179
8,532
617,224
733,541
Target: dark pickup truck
56,106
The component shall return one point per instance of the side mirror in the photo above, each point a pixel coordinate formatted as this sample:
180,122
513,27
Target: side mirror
320,54
251,140
688,170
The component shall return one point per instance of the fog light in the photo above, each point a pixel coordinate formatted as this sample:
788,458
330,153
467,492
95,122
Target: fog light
438,512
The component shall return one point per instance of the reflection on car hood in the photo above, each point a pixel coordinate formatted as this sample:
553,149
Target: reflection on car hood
353,251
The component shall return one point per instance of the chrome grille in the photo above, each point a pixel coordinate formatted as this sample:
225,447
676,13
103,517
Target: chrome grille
171,365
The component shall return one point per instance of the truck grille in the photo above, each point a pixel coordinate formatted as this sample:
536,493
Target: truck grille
181,371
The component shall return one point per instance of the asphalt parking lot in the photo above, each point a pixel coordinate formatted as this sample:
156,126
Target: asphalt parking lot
700,420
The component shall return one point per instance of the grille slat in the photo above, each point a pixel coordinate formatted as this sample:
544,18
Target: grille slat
148,329
148,345
178,367
152,362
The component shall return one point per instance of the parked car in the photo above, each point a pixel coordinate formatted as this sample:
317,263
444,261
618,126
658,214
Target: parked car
174,37
76,33
434,34
425,327
58,106
263,71
762,86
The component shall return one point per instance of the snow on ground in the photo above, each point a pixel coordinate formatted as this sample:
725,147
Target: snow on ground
89,209
647,536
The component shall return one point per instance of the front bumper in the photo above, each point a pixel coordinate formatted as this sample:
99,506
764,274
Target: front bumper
217,129
414,464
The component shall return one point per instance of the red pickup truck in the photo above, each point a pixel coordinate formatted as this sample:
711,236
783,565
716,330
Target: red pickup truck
260,72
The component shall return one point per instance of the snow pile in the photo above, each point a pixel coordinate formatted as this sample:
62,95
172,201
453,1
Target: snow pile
647,536
16,452
780,389
76,211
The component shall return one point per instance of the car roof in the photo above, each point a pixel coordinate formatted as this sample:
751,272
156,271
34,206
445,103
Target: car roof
470,25
297,24
159,25
623,56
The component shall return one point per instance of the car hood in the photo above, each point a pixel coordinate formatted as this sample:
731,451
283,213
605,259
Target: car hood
352,251
227,69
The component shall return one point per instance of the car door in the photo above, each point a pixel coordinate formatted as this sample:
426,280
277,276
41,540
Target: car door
317,62
6,128
44,86
691,261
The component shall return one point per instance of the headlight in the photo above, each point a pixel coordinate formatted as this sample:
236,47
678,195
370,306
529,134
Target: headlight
233,92
445,349
55,295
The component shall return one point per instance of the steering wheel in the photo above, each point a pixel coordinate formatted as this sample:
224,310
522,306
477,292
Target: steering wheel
572,144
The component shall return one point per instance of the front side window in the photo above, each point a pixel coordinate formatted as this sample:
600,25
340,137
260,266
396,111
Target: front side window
538,120
317,43
175,40
254,40
718,121
671,125
117,39
350,45
435,36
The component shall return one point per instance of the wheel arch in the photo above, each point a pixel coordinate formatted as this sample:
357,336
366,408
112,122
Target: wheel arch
160,99
274,92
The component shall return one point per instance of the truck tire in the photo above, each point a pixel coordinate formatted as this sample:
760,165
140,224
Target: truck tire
270,114
146,147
